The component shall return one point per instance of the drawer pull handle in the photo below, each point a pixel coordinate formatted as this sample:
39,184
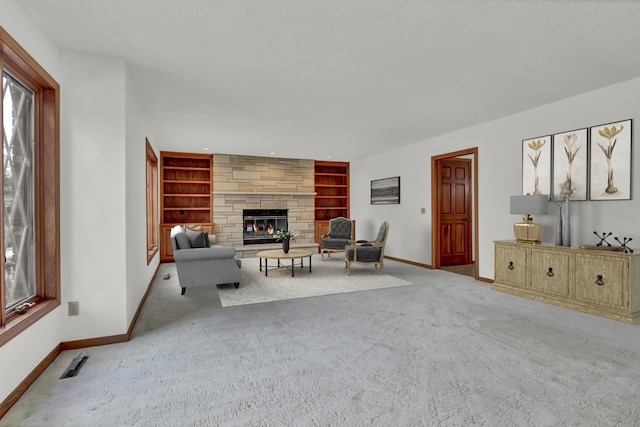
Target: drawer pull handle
550,272
510,267
599,282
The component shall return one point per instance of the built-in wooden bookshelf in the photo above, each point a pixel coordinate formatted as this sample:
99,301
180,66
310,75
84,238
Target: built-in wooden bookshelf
332,194
186,184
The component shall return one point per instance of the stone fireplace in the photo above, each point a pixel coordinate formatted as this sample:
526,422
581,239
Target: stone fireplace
262,183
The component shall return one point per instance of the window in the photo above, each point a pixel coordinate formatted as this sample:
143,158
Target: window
152,203
18,119
30,271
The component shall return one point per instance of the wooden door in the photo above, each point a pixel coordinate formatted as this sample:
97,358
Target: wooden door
454,188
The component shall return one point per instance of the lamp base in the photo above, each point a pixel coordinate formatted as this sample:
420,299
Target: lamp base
528,232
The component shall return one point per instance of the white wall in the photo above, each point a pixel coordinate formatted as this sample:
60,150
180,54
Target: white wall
499,176
92,181
19,356
102,202
19,26
139,275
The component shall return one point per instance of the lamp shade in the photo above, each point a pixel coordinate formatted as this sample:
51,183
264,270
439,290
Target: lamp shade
532,205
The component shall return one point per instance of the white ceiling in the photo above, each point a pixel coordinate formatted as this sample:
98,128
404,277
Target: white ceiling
347,78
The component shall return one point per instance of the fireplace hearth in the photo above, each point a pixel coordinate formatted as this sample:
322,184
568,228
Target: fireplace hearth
260,226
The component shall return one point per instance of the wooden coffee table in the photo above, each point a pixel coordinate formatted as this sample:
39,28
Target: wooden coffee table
279,254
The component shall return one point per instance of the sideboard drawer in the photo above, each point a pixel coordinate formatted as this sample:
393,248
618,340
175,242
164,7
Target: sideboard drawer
551,272
511,265
602,280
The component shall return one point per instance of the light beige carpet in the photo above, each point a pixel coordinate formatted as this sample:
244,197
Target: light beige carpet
447,352
326,278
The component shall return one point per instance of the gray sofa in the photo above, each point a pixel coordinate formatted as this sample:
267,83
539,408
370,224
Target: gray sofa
199,261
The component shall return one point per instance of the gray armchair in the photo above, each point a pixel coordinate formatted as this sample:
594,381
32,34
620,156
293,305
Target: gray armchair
340,232
199,261
368,252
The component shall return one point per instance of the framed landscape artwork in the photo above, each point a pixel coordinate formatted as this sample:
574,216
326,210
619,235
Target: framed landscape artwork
610,161
385,191
570,164
536,165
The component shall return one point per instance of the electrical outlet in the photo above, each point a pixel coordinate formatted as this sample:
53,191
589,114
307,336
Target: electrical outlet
423,211
74,308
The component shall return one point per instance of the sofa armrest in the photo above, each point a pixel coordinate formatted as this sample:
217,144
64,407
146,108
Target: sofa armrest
204,253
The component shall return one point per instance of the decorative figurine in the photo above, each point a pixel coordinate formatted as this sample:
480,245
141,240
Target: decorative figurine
623,244
603,238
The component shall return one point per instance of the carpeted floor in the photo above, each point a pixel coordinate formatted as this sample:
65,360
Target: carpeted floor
445,352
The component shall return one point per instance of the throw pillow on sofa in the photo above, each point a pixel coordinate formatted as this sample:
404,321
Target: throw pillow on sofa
182,240
197,239
199,228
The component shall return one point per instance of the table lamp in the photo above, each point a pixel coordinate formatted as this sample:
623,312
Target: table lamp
527,231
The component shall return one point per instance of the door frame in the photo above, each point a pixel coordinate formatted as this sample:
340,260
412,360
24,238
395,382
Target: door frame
435,206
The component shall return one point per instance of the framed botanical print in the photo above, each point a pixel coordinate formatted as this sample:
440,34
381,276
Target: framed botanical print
570,164
536,165
610,161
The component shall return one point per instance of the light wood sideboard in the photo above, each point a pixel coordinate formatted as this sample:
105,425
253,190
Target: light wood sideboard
600,282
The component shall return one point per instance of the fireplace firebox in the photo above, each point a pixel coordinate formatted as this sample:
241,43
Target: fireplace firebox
261,225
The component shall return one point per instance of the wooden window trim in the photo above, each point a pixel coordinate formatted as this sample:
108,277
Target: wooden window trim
47,183
152,203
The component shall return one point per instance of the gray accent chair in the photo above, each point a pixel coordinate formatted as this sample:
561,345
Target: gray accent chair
209,265
340,233
368,252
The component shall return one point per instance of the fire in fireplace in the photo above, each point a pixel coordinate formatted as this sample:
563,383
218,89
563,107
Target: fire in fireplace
262,225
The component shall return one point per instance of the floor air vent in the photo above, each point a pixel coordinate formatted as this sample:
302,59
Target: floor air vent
75,365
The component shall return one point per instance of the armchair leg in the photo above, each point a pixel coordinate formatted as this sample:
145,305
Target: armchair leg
183,291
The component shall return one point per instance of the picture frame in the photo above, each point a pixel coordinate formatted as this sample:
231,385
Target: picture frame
610,161
570,164
385,191
536,165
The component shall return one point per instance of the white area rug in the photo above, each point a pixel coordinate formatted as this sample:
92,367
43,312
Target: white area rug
327,277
